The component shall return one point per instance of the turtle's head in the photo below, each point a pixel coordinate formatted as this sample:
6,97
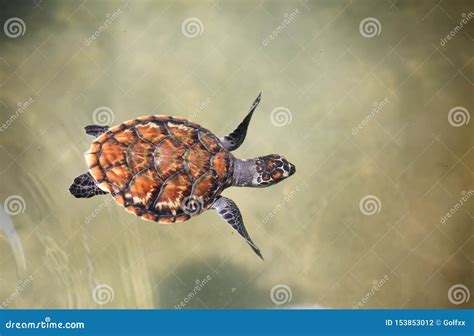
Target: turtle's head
262,171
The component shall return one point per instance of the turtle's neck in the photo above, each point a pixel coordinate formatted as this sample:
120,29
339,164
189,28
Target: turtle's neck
244,173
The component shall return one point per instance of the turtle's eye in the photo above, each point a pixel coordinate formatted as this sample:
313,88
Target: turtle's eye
272,169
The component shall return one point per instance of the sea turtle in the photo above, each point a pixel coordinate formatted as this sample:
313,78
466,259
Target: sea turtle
168,169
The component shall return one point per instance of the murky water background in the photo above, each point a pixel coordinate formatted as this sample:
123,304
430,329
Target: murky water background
364,114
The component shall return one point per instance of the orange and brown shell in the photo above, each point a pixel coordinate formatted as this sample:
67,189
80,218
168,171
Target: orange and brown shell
164,169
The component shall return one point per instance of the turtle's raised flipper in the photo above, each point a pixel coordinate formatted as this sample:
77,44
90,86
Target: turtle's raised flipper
233,140
84,186
96,130
229,211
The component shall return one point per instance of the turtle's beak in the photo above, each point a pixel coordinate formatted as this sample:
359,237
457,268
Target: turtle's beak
292,169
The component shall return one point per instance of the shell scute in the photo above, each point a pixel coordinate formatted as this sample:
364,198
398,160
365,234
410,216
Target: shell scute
140,155
168,158
151,131
112,153
145,187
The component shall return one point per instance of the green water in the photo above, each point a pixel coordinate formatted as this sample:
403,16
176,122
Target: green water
363,118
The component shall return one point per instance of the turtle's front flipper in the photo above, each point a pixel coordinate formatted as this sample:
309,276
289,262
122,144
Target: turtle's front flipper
84,187
228,210
233,140
96,130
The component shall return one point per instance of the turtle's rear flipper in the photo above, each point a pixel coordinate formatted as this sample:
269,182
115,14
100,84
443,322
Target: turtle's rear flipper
229,211
96,130
84,186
